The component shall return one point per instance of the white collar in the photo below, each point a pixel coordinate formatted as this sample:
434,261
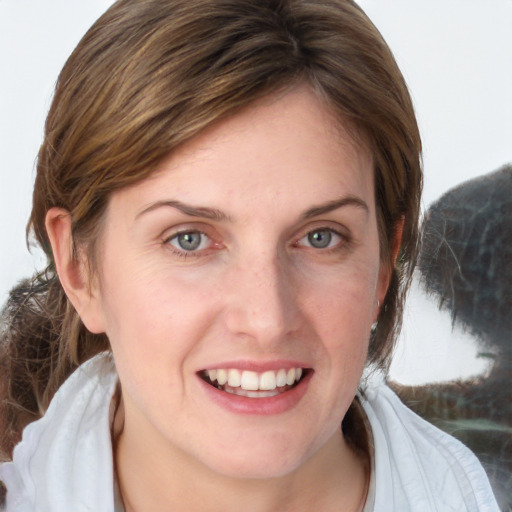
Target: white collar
64,461
419,467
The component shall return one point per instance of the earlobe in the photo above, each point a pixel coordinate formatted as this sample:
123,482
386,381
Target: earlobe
72,270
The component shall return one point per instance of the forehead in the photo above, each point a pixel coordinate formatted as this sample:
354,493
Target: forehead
286,149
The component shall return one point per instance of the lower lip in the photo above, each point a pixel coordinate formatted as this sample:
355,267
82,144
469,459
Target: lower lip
259,406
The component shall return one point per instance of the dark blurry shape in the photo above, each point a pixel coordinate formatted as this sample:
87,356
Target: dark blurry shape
466,257
466,262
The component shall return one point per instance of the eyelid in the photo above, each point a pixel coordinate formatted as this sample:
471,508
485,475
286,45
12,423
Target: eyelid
198,249
333,226
173,233
344,235
331,230
186,227
166,237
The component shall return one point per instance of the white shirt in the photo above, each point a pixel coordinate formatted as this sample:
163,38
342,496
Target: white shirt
419,467
64,462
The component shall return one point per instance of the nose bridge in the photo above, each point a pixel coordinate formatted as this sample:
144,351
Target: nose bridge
262,302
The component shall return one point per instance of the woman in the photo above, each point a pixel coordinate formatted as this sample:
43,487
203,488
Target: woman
228,196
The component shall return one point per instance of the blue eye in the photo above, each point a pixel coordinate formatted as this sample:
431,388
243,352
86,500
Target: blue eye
190,241
322,238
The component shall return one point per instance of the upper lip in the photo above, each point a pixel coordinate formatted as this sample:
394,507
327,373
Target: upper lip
257,366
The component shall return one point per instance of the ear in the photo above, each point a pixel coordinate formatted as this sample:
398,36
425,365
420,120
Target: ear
386,268
80,287
397,241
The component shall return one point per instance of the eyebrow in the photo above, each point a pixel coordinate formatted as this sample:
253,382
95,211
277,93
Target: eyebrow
334,205
187,209
218,215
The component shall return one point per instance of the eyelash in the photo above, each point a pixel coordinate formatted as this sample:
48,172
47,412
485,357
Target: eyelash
183,253
342,243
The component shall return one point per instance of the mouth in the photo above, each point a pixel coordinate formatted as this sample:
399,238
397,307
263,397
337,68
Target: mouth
253,384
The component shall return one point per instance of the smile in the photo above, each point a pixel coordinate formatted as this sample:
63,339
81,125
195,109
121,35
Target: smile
253,384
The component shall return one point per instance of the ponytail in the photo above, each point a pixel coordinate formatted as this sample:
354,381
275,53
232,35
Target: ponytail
35,355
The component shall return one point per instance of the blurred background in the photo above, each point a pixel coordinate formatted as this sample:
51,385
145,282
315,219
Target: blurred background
456,56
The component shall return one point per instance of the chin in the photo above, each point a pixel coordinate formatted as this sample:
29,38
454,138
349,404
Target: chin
250,469
260,458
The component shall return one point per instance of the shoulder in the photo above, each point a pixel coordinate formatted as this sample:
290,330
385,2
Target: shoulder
416,463
66,457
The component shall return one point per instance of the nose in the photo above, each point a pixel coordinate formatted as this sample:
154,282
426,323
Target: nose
262,300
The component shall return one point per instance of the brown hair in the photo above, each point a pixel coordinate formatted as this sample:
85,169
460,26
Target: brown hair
151,74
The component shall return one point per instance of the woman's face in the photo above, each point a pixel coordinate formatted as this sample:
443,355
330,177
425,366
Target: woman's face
251,255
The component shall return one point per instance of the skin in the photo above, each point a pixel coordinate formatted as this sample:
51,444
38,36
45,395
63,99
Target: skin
256,290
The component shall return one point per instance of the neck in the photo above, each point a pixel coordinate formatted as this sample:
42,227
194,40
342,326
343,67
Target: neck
334,478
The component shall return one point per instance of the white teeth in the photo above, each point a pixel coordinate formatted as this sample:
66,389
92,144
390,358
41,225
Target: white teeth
255,382
234,378
222,377
249,381
261,394
281,378
268,381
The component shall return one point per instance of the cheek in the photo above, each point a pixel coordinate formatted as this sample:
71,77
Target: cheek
153,326
340,309
342,300
155,312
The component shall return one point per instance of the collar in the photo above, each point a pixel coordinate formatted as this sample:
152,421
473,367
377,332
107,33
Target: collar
64,460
